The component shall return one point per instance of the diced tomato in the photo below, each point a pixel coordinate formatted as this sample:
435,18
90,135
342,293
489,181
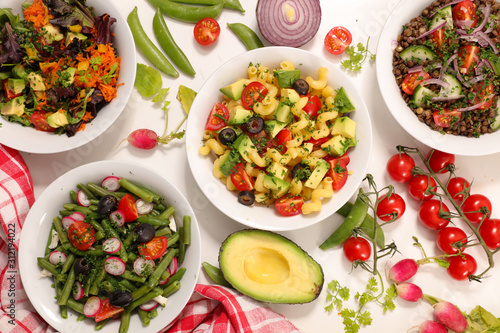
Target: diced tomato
218,117
467,58
446,117
39,120
81,235
282,138
312,106
412,80
240,178
337,40
289,205
483,95
107,311
7,91
318,142
206,31
128,207
254,92
338,172
153,249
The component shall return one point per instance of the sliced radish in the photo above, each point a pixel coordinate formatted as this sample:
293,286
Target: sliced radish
149,305
114,266
172,267
77,216
118,217
78,290
111,245
67,221
82,198
143,207
111,183
164,281
143,267
92,306
56,257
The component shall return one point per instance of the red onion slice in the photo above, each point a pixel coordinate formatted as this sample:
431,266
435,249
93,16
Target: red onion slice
478,105
486,13
441,83
446,98
432,30
415,69
288,22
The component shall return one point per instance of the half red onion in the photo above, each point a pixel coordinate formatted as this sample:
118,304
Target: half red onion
288,22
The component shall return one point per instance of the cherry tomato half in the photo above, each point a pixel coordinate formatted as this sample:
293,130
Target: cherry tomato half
467,56
484,95
357,248
81,235
490,232
39,120
312,106
439,160
8,92
412,80
420,186
464,14
338,172
448,236
153,249
446,118
289,205
107,311
240,178
206,31
128,207
457,187
282,138
462,266
254,92
218,117
337,40
428,214
391,207
438,38
399,167
472,207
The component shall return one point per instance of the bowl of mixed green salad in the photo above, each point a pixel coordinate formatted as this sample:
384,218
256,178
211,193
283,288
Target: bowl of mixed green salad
67,70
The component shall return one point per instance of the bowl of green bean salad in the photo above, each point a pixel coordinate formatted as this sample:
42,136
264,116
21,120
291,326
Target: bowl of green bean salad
110,245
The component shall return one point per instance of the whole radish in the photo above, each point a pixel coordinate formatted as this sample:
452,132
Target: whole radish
403,270
431,326
143,138
409,292
450,316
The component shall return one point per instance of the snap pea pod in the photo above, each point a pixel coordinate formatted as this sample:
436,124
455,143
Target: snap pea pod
169,45
124,321
246,35
344,231
367,224
186,13
215,274
146,46
231,4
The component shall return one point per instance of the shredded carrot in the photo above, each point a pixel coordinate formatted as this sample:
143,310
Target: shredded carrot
38,14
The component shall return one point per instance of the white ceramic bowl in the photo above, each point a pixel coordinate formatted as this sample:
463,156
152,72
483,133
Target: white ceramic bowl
402,14
257,215
36,230
30,140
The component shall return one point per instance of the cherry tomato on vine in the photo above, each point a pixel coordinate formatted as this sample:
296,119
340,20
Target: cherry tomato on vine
337,40
391,207
357,248
490,232
206,31
419,187
457,186
428,214
472,206
399,167
448,236
439,160
461,266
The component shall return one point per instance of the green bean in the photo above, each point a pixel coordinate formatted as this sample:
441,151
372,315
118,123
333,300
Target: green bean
86,190
63,309
124,322
127,285
77,306
65,212
63,236
172,240
167,213
176,277
138,293
154,278
344,231
163,231
246,35
90,281
94,202
110,232
76,208
46,264
155,292
99,190
127,241
171,288
159,206
114,282
169,45
186,13
108,286
153,313
96,252
133,277
144,317
186,227
96,225
74,196
165,275
156,221
215,274
157,199
137,190
231,4
94,289
68,263
182,246
68,287
100,325
367,224
146,46
132,256
49,241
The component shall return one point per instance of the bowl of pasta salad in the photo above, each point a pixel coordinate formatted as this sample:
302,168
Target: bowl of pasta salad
278,138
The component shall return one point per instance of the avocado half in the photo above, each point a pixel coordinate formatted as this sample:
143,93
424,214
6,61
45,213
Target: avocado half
269,267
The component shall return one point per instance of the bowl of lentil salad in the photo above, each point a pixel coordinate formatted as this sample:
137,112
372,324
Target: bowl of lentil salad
30,139
449,98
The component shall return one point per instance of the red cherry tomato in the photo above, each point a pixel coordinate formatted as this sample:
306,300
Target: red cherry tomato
391,207
446,118
289,205
439,160
399,167
8,92
153,249
457,187
490,232
240,178
484,95
438,38
467,58
420,186
254,92
461,267
338,172
282,138
318,142
357,248
218,117
39,120
206,31
448,236
464,14
412,80
472,206
128,207
428,214
81,235
107,311
312,106
337,40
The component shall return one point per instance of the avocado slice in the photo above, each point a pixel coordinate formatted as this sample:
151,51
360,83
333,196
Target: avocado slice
270,268
228,162
344,126
287,77
234,90
278,186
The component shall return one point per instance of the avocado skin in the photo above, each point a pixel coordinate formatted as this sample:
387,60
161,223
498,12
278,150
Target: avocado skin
280,239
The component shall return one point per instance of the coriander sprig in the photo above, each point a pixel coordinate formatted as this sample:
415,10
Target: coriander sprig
357,56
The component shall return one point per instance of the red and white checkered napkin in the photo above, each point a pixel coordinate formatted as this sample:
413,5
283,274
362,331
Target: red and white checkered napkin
218,309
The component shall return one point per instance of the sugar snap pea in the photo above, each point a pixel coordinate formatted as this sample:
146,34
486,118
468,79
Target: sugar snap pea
246,35
367,225
186,13
215,274
169,45
232,4
344,231
146,46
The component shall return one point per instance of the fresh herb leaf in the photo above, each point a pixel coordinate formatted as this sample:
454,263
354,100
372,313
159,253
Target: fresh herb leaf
357,56
148,80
